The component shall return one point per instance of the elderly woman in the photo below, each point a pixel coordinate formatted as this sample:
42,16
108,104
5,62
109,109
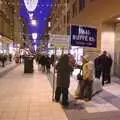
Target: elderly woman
88,73
64,69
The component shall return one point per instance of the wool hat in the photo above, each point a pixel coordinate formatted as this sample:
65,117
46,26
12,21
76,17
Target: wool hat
86,57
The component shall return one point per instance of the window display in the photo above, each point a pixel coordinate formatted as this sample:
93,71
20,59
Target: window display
77,52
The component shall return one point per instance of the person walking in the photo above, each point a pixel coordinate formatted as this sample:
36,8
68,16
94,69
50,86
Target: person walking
64,69
42,61
47,63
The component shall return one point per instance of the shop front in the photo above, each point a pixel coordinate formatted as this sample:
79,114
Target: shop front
110,41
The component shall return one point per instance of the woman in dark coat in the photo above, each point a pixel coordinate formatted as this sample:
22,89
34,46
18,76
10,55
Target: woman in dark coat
64,69
97,63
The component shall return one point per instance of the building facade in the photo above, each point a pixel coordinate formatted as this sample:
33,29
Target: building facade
101,14
9,23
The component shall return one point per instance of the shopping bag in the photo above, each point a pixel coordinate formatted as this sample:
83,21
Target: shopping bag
97,86
77,91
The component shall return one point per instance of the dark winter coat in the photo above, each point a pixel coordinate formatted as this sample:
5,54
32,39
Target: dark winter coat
98,67
64,70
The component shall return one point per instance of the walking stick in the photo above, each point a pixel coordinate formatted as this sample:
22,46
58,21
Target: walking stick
53,93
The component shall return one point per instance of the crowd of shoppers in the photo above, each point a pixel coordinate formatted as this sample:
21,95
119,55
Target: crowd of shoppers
89,70
44,62
5,58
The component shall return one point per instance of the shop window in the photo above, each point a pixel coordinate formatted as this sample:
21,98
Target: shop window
68,17
82,4
64,19
74,7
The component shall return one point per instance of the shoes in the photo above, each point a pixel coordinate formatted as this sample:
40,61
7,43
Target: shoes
108,82
87,99
56,100
66,104
77,97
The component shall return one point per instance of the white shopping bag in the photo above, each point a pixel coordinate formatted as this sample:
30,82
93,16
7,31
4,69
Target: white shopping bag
77,91
97,86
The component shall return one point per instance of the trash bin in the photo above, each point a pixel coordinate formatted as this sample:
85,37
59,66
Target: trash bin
28,64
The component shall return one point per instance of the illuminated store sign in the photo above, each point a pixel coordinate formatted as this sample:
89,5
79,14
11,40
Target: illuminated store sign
83,36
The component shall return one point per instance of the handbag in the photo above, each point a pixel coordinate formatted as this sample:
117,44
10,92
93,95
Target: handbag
80,76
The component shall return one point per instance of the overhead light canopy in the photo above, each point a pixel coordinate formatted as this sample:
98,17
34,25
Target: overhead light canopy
30,5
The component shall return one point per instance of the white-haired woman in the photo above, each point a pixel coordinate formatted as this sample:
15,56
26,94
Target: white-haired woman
88,73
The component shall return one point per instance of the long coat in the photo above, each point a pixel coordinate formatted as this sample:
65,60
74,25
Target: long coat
64,70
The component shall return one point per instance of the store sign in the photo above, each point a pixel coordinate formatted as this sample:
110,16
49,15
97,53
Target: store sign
83,36
59,41
31,5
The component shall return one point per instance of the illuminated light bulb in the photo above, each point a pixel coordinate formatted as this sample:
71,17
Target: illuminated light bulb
35,47
34,22
34,36
49,24
31,4
30,15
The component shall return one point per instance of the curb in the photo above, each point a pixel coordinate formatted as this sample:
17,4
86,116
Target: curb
4,72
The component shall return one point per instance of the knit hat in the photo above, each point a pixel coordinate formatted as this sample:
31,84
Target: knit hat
86,57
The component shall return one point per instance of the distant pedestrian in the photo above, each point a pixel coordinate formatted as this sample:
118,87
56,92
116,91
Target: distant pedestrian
105,66
47,64
52,59
42,61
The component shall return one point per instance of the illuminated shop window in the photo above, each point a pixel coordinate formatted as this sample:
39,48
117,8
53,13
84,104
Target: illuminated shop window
74,8
82,4
68,17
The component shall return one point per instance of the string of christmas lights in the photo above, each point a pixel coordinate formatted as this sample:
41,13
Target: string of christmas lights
41,5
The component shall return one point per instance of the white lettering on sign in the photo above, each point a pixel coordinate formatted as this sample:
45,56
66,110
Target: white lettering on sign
91,39
83,31
83,38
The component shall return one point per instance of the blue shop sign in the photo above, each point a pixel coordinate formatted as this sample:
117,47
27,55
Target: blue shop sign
83,36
